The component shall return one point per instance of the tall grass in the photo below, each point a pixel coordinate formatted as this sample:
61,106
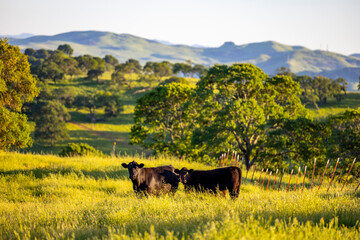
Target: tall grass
47,197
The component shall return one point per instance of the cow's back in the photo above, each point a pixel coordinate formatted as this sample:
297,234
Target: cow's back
221,178
152,179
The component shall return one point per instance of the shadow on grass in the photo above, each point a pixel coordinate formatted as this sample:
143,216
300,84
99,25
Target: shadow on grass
121,119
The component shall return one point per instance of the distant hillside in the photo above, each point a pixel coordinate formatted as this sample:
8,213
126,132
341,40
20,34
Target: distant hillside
268,55
18,36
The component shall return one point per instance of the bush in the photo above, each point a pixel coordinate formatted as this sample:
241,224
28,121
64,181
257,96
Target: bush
79,149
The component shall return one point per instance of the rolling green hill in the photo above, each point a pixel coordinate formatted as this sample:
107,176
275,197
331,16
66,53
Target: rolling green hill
269,55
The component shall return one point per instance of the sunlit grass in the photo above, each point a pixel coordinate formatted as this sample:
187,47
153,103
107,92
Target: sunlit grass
45,196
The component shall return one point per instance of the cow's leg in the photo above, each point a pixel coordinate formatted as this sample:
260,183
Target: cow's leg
234,191
224,193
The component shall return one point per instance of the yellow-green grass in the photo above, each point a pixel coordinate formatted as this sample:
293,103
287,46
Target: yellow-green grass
48,197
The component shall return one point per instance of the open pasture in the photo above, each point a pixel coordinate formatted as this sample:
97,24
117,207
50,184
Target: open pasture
48,197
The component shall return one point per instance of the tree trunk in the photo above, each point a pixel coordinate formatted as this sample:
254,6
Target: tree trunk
247,162
317,107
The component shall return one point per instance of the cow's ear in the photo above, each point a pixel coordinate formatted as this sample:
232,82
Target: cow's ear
124,165
141,165
177,170
191,170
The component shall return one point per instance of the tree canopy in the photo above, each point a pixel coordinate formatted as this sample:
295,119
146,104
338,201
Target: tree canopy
17,86
240,105
66,48
51,122
161,120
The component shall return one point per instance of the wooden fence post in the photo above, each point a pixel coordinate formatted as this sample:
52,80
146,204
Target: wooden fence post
275,178
281,179
297,177
312,180
333,174
264,178
357,187
304,180
268,181
292,170
348,174
113,150
227,157
323,175
262,170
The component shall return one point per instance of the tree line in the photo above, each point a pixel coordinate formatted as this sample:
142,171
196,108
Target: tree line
54,65
236,107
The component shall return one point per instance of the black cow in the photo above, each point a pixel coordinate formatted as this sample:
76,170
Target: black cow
211,180
152,180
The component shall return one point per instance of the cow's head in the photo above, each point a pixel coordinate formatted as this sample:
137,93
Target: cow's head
184,174
133,168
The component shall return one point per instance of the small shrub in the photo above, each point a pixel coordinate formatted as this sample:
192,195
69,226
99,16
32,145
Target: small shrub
79,149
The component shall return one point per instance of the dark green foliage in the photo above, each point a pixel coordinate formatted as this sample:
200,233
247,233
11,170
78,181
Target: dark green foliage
130,66
188,70
162,122
183,68
118,78
297,142
66,48
345,134
42,53
111,60
79,149
86,62
70,66
94,74
158,69
112,103
92,101
51,122
50,71
66,95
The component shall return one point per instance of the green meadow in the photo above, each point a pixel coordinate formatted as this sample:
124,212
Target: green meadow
48,197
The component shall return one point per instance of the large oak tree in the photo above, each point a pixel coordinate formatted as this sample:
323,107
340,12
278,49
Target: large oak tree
239,105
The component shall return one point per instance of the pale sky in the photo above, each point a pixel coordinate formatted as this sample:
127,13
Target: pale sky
332,25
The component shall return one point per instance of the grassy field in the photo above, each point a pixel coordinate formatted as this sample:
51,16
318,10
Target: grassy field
48,197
